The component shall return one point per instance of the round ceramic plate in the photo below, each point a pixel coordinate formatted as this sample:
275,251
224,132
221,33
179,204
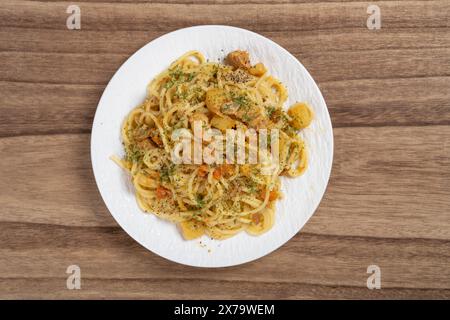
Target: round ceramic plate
127,89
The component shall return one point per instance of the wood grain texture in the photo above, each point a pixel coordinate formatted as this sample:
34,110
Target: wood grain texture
387,203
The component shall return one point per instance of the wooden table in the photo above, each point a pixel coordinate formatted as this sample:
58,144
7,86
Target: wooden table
387,203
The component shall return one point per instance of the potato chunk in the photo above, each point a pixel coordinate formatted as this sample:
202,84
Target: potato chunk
239,59
192,229
257,70
301,115
198,116
215,99
222,123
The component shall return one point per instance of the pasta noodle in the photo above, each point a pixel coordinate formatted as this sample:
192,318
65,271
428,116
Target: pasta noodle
216,199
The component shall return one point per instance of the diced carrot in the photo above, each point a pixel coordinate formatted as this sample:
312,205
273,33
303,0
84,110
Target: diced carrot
273,195
156,139
162,192
256,218
227,170
262,194
203,170
154,135
217,173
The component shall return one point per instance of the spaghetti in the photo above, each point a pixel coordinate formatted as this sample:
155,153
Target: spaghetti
216,199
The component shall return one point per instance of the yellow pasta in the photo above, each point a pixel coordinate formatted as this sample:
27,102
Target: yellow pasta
216,199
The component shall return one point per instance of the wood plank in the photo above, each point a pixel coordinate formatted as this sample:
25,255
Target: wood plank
60,178
162,16
78,68
394,181
55,179
377,183
388,102
297,42
410,267
36,108
59,68
53,288
219,2
378,64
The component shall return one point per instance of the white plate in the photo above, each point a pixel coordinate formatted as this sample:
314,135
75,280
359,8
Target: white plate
127,89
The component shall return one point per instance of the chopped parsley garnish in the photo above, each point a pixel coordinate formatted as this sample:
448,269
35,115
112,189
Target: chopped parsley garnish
242,101
133,154
225,107
200,201
251,185
166,172
177,76
169,84
247,118
269,111
181,95
190,76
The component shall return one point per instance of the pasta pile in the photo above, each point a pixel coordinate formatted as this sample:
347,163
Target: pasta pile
216,199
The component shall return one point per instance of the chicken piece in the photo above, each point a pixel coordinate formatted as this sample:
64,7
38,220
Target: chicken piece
239,59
